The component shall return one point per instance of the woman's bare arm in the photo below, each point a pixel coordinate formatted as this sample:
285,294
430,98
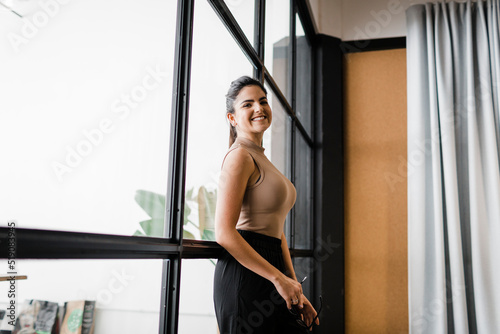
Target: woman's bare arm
236,171
308,310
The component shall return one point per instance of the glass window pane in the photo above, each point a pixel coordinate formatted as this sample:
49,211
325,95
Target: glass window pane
305,266
244,13
127,293
277,43
303,205
208,133
277,137
85,115
304,78
277,142
196,309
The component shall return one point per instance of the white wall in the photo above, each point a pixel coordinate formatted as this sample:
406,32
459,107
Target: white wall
361,19
327,16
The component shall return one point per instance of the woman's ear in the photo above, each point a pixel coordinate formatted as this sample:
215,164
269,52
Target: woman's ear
231,119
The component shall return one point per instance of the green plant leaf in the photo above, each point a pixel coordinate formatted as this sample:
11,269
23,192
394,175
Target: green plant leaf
152,203
188,198
207,201
208,235
153,227
189,194
187,209
187,235
187,221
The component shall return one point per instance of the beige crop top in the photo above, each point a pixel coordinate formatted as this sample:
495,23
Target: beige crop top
267,202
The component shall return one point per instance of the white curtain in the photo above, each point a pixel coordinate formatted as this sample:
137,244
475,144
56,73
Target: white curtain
453,54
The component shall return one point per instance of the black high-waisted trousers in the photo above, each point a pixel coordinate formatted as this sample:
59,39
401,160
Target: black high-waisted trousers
246,302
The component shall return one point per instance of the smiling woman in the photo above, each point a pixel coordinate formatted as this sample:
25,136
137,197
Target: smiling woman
249,97
113,117
254,198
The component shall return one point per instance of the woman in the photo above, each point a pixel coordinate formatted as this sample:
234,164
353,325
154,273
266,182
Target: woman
255,285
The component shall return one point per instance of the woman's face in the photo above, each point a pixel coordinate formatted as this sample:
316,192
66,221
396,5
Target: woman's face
252,113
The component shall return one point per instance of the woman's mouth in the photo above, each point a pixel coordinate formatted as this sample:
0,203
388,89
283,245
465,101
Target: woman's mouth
260,118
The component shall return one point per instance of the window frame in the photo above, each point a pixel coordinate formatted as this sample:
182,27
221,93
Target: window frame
49,244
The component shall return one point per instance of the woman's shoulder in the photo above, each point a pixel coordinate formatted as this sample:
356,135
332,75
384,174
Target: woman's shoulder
237,156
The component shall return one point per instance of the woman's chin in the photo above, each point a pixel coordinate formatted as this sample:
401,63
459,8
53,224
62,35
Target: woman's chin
263,126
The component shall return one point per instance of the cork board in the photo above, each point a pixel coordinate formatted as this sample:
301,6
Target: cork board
375,192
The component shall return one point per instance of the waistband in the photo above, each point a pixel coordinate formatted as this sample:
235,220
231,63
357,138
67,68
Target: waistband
261,240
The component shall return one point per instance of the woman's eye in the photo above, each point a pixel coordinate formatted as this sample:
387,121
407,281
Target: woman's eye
246,105
263,102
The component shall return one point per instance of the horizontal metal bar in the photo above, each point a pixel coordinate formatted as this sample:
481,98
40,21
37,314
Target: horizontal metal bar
301,253
378,44
200,249
47,244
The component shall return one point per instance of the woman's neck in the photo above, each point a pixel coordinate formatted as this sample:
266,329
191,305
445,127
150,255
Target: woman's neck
257,140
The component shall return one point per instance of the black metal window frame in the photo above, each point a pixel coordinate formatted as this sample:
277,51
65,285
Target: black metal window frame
49,244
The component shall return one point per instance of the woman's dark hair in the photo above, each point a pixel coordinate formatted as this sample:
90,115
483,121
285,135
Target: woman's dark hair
234,89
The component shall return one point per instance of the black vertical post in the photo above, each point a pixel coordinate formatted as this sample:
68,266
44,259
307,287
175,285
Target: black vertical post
329,184
177,165
259,36
290,95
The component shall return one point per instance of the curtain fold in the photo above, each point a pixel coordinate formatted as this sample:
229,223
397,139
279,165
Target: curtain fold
453,52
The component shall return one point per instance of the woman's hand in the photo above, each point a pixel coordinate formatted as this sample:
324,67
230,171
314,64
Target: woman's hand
290,290
308,312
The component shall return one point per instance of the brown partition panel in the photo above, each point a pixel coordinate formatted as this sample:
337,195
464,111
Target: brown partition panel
375,192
